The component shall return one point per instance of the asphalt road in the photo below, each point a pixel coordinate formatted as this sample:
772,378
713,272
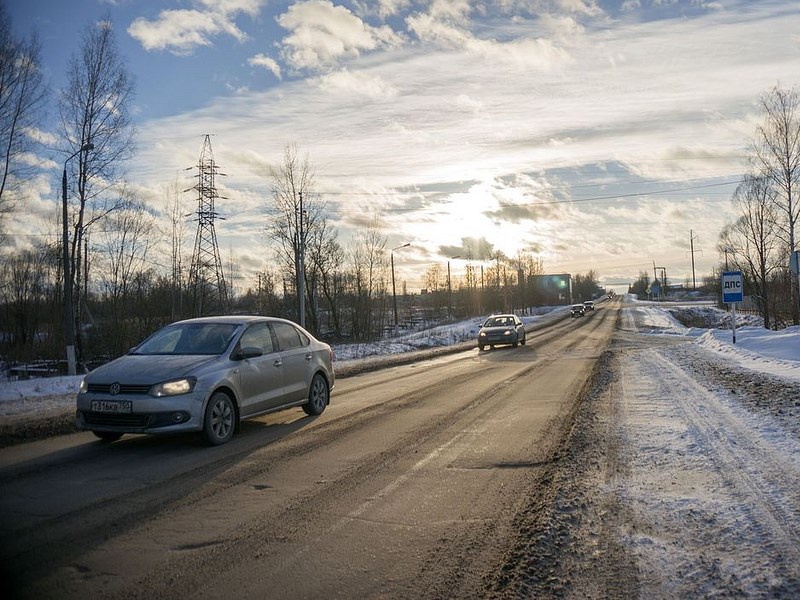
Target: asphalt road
415,482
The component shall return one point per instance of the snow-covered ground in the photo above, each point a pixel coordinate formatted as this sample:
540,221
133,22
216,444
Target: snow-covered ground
706,458
756,348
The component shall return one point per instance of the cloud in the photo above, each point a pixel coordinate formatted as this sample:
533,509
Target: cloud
449,30
357,82
677,101
182,31
264,61
381,8
322,34
470,249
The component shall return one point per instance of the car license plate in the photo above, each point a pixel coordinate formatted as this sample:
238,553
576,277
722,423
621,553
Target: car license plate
104,406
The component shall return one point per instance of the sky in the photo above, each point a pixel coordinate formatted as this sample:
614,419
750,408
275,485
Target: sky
593,135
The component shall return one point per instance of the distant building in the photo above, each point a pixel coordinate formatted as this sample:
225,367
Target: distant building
551,290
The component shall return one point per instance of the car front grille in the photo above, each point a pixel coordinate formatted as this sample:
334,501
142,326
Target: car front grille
124,388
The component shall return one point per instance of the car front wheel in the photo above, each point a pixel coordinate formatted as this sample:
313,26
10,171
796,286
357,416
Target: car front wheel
220,418
318,395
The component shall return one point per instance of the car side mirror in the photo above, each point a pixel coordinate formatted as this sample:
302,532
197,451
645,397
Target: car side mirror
249,352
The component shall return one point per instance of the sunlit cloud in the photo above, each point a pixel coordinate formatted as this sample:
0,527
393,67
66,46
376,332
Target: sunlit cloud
181,31
322,34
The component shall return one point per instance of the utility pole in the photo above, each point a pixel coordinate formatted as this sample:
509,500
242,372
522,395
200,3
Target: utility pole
691,246
301,271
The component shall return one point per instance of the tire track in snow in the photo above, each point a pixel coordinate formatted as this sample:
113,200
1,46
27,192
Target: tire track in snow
713,488
768,474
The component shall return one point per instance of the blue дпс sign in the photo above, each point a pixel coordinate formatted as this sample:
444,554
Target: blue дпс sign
732,287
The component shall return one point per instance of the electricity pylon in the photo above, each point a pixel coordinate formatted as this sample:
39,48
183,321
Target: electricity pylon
206,279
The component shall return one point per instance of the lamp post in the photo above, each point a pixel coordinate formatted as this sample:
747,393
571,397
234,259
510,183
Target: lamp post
69,328
449,287
394,291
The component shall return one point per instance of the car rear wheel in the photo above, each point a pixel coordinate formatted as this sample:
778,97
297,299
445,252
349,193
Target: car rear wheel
318,395
220,419
107,436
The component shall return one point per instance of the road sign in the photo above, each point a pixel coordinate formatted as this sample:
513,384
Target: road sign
732,287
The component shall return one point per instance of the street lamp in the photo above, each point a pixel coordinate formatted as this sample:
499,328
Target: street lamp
69,328
394,291
449,287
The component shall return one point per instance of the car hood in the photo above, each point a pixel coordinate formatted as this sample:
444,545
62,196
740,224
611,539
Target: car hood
140,369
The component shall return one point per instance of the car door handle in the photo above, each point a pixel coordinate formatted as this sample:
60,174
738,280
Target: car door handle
278,363
308,356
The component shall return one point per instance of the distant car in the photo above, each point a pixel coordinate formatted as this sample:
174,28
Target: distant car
588,305
577,310
206,375
501,329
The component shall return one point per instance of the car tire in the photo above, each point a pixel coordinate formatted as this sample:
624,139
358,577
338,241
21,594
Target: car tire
524,339
515,344
480,347
106,437
220,419
318,396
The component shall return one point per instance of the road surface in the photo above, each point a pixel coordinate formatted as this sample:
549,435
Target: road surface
417,481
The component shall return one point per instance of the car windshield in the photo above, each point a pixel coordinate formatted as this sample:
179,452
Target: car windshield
189,338
499,322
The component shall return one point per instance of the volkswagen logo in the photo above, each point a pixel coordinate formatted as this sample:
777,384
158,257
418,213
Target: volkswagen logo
114,388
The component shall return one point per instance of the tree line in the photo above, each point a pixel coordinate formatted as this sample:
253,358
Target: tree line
762,238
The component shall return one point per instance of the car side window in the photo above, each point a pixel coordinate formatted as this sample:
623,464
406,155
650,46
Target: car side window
258,336
289,337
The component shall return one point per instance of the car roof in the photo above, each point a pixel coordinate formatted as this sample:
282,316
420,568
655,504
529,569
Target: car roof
234,319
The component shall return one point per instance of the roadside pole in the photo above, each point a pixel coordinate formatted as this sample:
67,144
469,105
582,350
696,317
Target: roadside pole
794,265
732,292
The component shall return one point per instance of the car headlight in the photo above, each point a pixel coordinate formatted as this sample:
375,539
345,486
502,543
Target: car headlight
482,334
84,386
507,332
173,388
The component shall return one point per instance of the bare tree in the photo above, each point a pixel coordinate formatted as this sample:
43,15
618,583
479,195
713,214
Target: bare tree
24,278
752,239
369,280
97,131
177,234
22,95
124,245
323,273
296,217
776,156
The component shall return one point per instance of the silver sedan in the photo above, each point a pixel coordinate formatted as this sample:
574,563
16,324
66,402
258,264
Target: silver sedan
206,375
